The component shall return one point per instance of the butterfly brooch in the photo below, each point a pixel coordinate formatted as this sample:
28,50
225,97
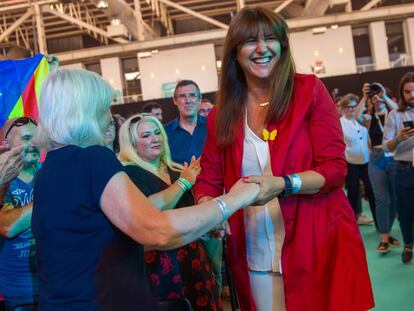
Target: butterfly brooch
269,135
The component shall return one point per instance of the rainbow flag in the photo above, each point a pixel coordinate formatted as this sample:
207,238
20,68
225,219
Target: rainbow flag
20,84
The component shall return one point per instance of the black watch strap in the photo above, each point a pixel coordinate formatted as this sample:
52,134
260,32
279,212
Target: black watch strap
288,188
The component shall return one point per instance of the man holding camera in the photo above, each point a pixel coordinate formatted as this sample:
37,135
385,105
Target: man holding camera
399,138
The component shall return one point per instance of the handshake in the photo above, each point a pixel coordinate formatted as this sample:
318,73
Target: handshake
257,190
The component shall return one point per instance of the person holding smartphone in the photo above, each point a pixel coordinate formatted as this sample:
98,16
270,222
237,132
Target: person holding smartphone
372,112
399,138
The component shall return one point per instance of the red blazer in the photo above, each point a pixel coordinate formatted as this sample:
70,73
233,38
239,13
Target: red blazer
323,256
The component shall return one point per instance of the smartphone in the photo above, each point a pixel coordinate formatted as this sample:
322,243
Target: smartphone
408,124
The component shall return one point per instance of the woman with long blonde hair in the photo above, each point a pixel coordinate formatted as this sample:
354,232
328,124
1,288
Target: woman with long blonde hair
185,271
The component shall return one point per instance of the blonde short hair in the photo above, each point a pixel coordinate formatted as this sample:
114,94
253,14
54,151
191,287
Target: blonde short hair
72,109
128,139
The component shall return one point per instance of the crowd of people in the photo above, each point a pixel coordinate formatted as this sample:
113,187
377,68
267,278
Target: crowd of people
126,214
378,131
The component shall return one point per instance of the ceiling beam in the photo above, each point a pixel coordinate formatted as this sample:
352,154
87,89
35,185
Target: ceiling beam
240,4
40,31
121,10
315,7
82,24
283,5
370,5
194,13
405,10
16,24
26,5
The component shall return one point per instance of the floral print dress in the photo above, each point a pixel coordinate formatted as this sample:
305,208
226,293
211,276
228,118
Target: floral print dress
182,272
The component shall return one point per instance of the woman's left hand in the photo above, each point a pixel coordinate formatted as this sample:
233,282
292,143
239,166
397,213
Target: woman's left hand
191,171
270,187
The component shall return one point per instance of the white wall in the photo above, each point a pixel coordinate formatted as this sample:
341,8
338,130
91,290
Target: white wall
196,63
73,66
111,72
334,48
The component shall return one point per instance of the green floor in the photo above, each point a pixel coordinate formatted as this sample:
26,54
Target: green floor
392,281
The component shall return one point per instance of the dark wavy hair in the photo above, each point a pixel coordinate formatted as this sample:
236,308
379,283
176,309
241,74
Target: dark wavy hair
408,77
232,93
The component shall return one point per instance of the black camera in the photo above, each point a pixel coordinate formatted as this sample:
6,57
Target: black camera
374,89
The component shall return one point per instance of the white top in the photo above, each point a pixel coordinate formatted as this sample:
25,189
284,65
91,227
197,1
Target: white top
356,140
393,124
264,226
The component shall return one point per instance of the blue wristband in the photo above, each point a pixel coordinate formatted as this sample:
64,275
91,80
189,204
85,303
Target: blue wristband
296,183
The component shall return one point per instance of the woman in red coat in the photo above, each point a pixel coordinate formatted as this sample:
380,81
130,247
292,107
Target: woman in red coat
307,252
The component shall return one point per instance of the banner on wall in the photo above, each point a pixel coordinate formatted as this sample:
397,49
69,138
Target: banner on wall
20,84
318,67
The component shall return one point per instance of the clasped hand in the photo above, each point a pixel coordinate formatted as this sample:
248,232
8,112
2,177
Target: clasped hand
270,187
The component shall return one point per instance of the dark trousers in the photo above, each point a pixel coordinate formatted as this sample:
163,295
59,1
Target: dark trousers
404,183
357,172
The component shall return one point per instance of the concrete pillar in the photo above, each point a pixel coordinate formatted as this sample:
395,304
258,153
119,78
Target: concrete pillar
379,46
409,37
112,72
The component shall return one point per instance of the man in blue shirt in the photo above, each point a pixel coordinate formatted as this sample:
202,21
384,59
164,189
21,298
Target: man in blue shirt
187,133
186,137
18,282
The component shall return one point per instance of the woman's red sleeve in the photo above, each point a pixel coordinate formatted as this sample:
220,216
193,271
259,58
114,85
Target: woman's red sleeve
327,140
210,180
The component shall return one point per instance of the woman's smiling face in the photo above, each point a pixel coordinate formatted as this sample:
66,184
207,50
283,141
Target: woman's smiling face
257,56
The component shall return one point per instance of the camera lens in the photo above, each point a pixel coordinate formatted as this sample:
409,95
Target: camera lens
374,89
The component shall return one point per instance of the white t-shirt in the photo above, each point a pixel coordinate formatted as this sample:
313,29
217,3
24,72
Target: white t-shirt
265,231
356,140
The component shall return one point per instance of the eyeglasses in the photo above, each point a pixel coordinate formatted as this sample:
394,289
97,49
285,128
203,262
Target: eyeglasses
351,107
20,122
206,110
191,96
135,119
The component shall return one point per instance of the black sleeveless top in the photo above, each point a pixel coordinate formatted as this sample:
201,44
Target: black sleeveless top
375,132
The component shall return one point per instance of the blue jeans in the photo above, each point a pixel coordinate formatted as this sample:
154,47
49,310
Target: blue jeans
382,175
404,182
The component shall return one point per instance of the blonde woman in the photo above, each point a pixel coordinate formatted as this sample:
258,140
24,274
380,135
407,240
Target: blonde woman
185,271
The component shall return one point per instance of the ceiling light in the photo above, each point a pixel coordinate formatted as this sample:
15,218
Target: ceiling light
319,30
102,4
115,22
129,76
